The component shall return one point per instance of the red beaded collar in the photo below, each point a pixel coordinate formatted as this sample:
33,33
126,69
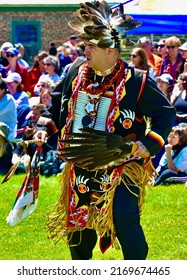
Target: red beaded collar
97,88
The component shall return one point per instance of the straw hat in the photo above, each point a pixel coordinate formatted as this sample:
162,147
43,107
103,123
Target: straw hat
4,130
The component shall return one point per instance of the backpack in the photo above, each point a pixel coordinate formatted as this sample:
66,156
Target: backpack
51,165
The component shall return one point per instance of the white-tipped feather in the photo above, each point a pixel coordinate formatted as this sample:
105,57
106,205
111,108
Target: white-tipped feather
98,20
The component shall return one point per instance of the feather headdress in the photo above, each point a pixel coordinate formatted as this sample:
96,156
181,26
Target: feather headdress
102,25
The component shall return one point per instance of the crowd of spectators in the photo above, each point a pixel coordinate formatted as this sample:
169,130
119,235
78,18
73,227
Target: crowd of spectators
25,88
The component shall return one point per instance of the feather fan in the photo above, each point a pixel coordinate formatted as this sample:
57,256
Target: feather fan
95,149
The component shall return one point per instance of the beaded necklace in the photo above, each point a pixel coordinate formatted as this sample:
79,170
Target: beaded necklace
96,88
117,84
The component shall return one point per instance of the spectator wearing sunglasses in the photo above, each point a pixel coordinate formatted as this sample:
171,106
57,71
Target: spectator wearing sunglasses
172,63
12,55
155,47
51,66
44,83
146,44
162,51
140,60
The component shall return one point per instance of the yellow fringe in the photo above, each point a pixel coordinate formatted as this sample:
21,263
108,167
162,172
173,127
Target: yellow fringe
100,219
57,220
139,176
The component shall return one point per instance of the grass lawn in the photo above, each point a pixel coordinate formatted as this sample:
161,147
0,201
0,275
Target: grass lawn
163,219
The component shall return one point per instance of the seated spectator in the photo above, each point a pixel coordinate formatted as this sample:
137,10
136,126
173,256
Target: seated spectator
22,119
4,47
51,66
162,51
183,51
36,70
15,87
53,49
43,83
165,84
30,125
6,149
172,62
21,59
174,161
8,111
146,44
179,100
64,57
45,97
72,42
3,71
140,60
155,47
74,54
12,54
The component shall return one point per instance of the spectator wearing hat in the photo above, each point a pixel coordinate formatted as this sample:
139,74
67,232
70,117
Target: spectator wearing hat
4,47
179,100
165,84
14,85
6,149
8,111
72,42
12,54
183,51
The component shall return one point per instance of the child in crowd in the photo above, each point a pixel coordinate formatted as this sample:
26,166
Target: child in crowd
165,84
174,161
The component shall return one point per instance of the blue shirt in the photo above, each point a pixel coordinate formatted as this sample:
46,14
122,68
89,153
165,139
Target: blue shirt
8,114
21,98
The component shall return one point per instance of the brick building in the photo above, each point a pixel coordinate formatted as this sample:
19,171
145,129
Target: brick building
35,23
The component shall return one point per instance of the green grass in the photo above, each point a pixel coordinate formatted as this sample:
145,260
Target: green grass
163,219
